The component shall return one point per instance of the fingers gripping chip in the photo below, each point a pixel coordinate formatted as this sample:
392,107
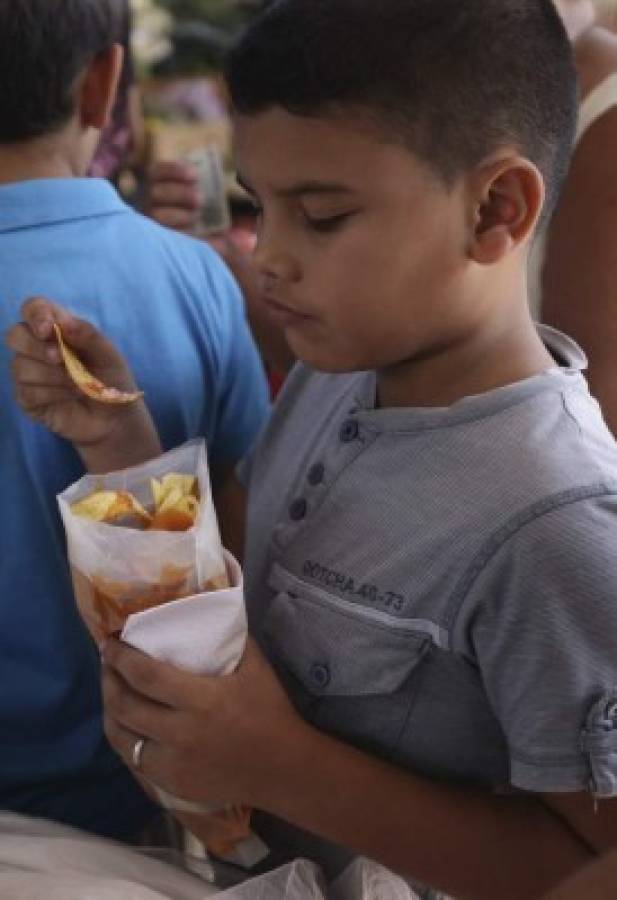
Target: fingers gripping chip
86,382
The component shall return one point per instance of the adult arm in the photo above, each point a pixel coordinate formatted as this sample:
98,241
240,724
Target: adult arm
579,285
594,882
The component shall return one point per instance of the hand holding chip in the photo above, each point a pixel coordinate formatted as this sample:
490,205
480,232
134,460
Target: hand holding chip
110,427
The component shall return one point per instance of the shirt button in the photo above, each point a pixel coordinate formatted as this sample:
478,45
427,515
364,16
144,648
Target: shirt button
349,431
316,474
298,509
320,675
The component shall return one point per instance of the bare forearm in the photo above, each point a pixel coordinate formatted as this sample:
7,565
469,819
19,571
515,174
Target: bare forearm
596,882
467,842
134,440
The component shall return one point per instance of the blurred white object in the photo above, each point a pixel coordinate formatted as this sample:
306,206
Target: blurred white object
42,860
150,39
367,880
205,633
302,880
215,212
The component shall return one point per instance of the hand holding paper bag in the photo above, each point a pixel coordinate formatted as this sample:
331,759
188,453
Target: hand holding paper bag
168,592
210,740
169,633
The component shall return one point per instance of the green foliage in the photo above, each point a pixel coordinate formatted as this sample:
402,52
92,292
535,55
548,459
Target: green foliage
192,56
224,13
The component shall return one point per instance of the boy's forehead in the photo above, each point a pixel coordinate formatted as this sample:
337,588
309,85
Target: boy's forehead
335,150
290,137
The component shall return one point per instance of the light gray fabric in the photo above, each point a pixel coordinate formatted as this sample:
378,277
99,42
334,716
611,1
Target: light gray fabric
446,595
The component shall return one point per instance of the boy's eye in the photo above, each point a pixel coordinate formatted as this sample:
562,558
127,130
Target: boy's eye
325,224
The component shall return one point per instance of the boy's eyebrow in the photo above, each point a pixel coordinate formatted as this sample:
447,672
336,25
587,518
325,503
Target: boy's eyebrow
313,187
302,188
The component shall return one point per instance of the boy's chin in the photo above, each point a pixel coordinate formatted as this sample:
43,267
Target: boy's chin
329,361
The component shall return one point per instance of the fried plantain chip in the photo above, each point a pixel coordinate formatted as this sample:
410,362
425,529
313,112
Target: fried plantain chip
179,515
176,506
175,501
86,382
179,485
110,506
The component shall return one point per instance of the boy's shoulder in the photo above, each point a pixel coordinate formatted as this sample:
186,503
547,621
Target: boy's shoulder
494,461
176,242
548,427
190,265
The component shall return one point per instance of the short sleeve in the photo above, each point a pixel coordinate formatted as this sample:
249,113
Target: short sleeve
541,622
243,400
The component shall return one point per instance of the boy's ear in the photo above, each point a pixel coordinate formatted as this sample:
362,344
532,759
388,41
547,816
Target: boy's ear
98,88
507,196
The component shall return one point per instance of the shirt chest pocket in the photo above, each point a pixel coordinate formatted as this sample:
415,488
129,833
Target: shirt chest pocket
351,671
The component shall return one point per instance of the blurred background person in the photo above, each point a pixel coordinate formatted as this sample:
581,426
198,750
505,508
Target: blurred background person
573,268
123,141
173,307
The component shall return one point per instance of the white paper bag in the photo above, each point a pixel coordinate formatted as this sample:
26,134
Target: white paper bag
169,595
42,860
205,634
118,571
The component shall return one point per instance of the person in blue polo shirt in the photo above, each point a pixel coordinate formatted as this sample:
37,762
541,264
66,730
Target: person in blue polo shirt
172,306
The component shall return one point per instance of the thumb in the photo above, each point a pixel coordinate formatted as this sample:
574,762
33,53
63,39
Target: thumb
39,314
91,346
96,353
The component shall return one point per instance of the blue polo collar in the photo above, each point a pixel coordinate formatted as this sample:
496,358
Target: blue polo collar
46,201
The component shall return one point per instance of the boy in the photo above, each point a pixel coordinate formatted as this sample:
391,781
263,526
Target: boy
176,313
430,566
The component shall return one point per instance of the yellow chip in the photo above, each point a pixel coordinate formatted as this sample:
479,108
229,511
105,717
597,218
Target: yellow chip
86,382
177,516
173,483
109,506
172,498
95,506
176,503
186,483
157,492
187,505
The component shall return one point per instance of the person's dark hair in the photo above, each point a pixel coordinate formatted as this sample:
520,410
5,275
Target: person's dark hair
44,46
453,79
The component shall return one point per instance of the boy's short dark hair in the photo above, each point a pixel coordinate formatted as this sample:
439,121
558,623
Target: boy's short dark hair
453,79
44,46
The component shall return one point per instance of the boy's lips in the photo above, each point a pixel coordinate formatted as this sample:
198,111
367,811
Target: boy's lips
285,314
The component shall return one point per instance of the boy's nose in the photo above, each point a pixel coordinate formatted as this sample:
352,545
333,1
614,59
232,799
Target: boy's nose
274,262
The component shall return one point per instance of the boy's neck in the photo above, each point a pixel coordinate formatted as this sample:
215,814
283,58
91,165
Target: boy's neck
49,157
491,358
